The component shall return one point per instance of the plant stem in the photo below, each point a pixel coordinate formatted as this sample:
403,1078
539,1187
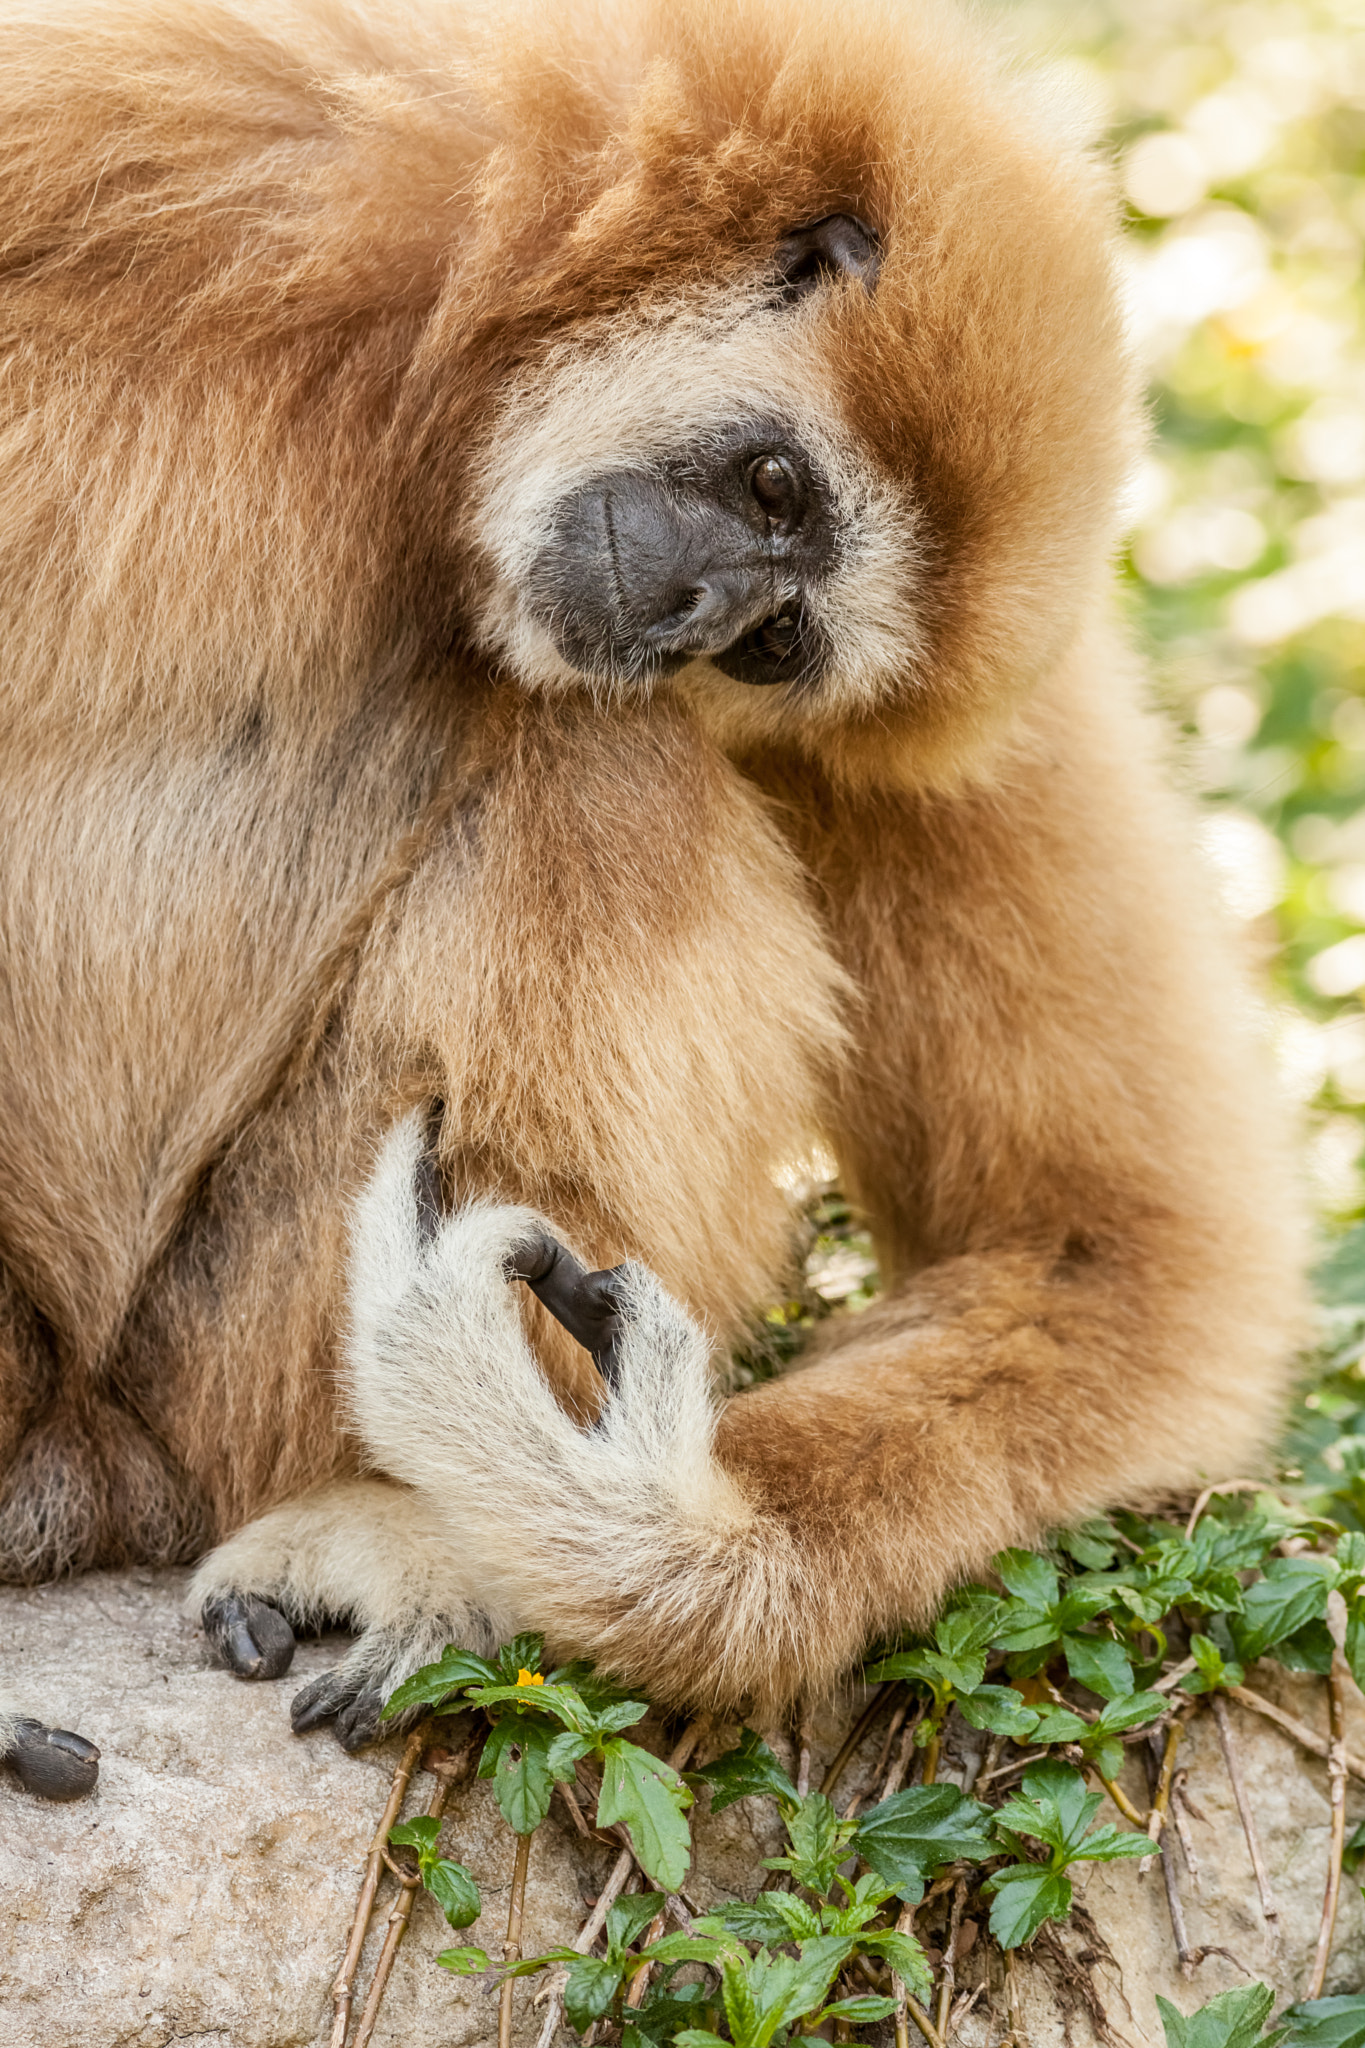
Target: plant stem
1122,1801
1180,1809
445,1774
639,1983
908,2008
931,1749
1017,2035
1297,1729
1336,1770
1269,1905
616,1883
895,1777
949,1977
511,1948
923,2022
853,1738
1156,1819
344,1982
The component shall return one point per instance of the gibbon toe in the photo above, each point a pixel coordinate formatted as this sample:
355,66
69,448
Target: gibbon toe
248,1635
53,1763
352,1694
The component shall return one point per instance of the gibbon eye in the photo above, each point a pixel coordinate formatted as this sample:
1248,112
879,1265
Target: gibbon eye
774,489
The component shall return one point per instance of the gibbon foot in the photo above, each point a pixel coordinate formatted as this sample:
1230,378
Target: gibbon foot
248,1635
588,1305
362,1553
352,1694
53,1763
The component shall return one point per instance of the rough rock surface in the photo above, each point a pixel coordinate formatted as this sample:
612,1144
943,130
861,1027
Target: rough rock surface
205,1892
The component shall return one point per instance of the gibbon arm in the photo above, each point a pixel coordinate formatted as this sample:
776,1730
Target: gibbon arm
1063,1132
1069,1149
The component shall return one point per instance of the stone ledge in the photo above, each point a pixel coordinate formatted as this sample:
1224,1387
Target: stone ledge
205,1892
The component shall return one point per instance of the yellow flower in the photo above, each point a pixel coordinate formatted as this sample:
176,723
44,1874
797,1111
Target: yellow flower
530,1678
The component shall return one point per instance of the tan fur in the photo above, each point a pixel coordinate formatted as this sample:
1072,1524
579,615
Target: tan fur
309,313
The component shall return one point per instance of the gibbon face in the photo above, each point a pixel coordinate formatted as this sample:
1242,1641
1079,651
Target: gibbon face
841,464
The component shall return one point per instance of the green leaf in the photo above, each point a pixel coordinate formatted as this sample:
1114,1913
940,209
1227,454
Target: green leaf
903,1954
705,1946
919,1666
998,1708
619,1714
1355,1639
818,1844
591,1986
561,1702
1326,2022
1029,1577
741,2007
914,1832
516,1758
1211,1669
628,1918
465,1962
420,1834
745,1771
434,1683
1093,1543
454,1891
774,1917
788,1987
562,1753
1294,1591
967,1628
522,1653
697,2037
1052,1805
1117,1715
1231,2020
650,1798
859,2012
1110,1844
1101,1664
1059,1724
1026,1894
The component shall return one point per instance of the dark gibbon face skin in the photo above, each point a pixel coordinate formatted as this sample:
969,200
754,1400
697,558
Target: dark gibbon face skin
709,553
713,550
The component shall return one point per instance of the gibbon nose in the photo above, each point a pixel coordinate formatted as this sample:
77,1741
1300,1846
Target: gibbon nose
684,576
711,614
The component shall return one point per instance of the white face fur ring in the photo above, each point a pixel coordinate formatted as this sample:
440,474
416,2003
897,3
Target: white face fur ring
678,495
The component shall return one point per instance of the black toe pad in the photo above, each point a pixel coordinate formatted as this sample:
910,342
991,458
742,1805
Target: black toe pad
53,1762
250,1636
334,1697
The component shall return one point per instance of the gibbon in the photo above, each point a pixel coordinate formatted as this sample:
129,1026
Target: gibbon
556,657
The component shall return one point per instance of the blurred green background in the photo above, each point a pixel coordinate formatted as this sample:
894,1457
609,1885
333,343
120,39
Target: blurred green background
1239,134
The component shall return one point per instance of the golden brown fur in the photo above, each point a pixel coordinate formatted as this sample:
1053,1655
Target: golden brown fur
289,846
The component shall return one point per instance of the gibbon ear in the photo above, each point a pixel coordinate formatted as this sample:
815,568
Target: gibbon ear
837,245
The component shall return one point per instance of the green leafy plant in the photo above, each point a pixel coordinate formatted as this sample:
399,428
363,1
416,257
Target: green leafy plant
1055,1810
450,1884
543,1725
1234,2019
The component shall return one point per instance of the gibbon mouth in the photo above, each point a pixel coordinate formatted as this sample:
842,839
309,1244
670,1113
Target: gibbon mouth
710,554
785,647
